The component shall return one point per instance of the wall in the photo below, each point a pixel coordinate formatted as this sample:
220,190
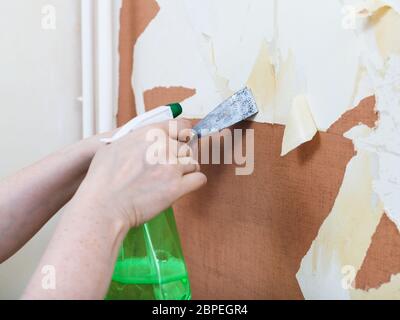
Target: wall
40,112
319,218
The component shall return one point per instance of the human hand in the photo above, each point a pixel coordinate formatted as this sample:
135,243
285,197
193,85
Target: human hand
125,184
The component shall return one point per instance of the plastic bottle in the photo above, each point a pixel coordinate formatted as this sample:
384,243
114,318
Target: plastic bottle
150,265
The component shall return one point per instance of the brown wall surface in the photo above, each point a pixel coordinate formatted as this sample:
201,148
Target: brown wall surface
244,236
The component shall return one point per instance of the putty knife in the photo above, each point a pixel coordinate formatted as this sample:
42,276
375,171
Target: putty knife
241,106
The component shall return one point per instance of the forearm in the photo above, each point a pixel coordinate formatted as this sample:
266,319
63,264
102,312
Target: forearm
82,252
32,196
121,190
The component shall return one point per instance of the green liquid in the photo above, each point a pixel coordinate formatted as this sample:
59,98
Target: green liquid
137,279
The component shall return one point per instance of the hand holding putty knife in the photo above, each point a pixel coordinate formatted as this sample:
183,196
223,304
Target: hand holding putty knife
162,274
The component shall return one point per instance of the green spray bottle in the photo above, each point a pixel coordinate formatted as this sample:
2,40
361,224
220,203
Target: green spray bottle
150,264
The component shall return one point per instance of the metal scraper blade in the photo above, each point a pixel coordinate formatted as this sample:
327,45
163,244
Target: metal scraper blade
241,106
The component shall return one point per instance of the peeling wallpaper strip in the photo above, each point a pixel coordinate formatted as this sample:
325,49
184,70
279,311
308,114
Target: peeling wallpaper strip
300,126
384,141
166,54
330,74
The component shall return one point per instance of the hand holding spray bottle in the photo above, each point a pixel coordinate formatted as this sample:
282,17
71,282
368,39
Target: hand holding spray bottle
150,264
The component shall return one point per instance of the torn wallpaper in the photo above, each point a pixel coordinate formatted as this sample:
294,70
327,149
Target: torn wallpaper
308,62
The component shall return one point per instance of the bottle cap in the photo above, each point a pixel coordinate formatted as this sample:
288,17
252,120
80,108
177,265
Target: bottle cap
176,109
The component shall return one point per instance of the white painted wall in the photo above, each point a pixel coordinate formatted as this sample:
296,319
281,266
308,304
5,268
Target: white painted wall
40,81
